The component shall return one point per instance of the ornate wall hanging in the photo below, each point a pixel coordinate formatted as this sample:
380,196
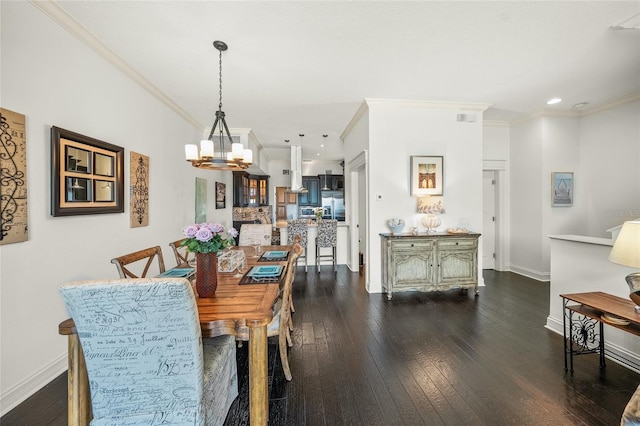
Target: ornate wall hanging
139,189
13,178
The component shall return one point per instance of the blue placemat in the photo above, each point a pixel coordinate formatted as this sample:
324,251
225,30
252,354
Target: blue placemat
274,256
266,274
178,272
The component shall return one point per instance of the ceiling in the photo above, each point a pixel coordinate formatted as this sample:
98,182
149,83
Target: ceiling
305,66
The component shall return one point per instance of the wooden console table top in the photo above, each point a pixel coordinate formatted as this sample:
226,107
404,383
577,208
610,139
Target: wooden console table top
596,303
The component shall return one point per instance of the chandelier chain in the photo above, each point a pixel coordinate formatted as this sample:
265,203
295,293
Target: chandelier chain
220,79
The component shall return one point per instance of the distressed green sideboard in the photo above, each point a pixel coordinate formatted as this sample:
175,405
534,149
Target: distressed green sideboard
429,262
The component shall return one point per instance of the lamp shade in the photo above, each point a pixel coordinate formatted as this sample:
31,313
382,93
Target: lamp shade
626,249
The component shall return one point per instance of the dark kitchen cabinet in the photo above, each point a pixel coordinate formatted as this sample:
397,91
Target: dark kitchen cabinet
250,190
312,196
333,182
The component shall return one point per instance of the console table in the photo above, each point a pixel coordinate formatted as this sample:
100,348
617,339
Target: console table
429,262
591,307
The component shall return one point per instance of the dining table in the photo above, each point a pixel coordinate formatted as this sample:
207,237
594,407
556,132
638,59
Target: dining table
233,306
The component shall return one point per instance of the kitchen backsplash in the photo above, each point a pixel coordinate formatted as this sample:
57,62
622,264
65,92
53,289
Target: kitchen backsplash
262,213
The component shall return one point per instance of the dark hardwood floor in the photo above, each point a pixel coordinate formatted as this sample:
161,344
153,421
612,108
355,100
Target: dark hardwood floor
443,358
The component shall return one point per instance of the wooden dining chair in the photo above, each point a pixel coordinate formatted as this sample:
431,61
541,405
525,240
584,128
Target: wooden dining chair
136,260
280,324
297,250
181,253
145,357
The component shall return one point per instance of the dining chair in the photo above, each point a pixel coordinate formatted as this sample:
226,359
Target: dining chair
280,323
146,360
181,253
298,227
136,259
327,238
296,251
252,234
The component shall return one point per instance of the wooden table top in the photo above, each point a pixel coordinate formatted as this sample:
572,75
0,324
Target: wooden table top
232,305
615,305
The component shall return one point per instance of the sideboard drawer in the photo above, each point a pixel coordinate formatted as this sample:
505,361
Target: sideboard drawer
412,245
447,243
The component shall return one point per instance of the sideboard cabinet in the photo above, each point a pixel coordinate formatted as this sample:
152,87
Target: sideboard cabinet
429,262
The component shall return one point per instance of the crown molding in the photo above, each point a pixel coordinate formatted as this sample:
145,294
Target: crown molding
66,21
465,106
496,123
362,109
627,99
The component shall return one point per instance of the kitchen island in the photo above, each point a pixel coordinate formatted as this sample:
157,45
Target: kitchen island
342,245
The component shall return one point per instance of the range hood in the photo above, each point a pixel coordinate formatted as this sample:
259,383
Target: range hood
296,171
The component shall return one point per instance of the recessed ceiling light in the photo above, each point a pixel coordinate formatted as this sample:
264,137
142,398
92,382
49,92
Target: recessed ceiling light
580,105
554,101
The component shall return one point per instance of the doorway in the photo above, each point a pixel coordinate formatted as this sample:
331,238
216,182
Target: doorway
488,219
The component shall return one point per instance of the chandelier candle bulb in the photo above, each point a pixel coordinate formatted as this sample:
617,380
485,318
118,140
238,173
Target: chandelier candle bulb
206,148
248,156
191,151
237,149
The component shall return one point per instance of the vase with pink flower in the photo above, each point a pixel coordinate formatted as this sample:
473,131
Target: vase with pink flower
206,240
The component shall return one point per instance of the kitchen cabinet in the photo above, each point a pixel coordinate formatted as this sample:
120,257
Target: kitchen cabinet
429,262
250,190
333,182
312,196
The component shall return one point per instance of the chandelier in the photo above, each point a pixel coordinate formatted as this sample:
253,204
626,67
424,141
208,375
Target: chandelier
228,155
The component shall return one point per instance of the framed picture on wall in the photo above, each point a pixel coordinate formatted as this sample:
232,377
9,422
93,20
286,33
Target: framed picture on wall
221,195
426,175
561,189
87,175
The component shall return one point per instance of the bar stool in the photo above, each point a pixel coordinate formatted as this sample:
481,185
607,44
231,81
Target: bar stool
298,227
327,237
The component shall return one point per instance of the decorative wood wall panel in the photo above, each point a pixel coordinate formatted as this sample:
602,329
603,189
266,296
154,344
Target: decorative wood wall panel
13,178
139,189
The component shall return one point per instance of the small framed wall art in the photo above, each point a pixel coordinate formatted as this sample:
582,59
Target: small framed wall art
561,189
426,175
87,175
221,195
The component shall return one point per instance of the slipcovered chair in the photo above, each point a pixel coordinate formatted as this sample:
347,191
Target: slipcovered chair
327,238
136,259
251,234
146,360
631,414
298,227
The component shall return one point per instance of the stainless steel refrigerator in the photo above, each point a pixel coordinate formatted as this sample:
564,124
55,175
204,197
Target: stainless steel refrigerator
333,205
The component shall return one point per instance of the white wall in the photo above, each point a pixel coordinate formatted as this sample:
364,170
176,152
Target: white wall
495,141
54,79
398,130
560,153
526,231
602,149
609,158
580,264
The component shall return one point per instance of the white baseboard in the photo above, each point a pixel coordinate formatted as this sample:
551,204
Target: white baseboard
613,352
536,275
21,391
